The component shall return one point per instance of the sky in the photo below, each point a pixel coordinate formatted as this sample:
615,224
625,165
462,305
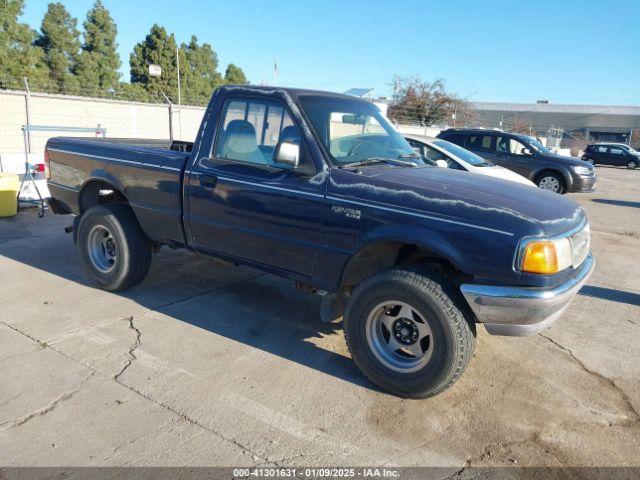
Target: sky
564,51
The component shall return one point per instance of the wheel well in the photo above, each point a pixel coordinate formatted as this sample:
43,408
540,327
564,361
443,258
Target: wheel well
380,256
98,192
550,170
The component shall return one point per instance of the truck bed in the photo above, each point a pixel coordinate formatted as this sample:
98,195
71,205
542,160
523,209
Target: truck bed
147,172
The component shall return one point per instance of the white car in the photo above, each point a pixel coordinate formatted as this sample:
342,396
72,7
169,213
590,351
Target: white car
440,151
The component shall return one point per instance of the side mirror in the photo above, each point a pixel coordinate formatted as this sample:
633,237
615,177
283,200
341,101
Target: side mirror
287,153
527,152
442,163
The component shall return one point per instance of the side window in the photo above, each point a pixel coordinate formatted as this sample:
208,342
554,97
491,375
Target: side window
615,151
417,145
481,142
602,149
509,146
433,154
251,129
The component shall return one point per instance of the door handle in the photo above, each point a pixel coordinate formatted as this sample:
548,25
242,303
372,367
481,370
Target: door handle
208,181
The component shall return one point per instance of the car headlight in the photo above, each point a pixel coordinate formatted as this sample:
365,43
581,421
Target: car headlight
546,256
581,170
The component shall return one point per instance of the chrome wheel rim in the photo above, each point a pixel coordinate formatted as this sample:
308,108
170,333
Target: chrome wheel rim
631,165
102,249
550,183
399,336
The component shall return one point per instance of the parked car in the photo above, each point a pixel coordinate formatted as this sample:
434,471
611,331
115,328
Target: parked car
458,158
527,157
616,154
321,189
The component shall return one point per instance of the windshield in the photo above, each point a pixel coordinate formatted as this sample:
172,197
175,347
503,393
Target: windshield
537,146
462,153
626,147
353,131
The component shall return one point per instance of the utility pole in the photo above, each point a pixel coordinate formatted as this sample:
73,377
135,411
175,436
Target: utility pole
179,93
27,101
275,72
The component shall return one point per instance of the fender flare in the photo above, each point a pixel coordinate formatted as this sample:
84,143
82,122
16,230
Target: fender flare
548,166
101,175
431,241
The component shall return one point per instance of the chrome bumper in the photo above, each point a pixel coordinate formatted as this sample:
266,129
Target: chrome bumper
519,311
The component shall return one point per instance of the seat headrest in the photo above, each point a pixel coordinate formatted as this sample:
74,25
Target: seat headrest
290,134
240,137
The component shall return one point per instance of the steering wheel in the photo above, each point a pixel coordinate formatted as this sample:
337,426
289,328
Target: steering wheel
359,144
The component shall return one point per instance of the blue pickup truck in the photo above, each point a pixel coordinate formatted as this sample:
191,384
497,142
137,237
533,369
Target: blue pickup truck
321,189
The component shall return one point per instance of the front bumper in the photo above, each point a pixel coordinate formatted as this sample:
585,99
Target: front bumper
520,311
584,183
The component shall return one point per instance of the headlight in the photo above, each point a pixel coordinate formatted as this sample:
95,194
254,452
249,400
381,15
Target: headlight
581,170
546,256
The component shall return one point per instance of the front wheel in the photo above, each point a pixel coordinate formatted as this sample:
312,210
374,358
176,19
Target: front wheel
632,164
114,250
552,182
406,334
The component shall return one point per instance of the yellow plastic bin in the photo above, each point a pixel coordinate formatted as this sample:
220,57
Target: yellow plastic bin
9,186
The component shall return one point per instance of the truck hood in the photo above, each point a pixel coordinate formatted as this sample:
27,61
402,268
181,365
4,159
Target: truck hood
480,200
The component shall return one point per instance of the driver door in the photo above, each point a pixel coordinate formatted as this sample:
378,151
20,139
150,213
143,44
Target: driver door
514,155
243,204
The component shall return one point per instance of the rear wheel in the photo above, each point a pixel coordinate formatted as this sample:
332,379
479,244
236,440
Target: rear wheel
406,334
114,250
551,181
632,164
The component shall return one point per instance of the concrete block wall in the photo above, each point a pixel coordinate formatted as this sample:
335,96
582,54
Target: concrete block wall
121,119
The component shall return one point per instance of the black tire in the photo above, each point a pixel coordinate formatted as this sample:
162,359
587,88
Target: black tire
545,177
632,164
452,339
132,248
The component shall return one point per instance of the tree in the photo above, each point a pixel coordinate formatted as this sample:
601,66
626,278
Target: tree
234,75
99,61
18,56
427,103
158,48
198,71
518,125
59,38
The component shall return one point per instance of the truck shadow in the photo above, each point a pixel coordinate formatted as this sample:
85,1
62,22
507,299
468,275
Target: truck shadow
617,203
610,294
241,304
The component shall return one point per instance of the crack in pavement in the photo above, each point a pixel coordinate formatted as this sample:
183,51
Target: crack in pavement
48,408
192,421
132,349
534,438
116,378
601,378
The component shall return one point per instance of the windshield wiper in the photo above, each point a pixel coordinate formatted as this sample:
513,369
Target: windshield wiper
374,160
410,155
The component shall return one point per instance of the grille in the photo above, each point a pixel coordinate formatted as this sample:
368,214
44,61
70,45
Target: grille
580,245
